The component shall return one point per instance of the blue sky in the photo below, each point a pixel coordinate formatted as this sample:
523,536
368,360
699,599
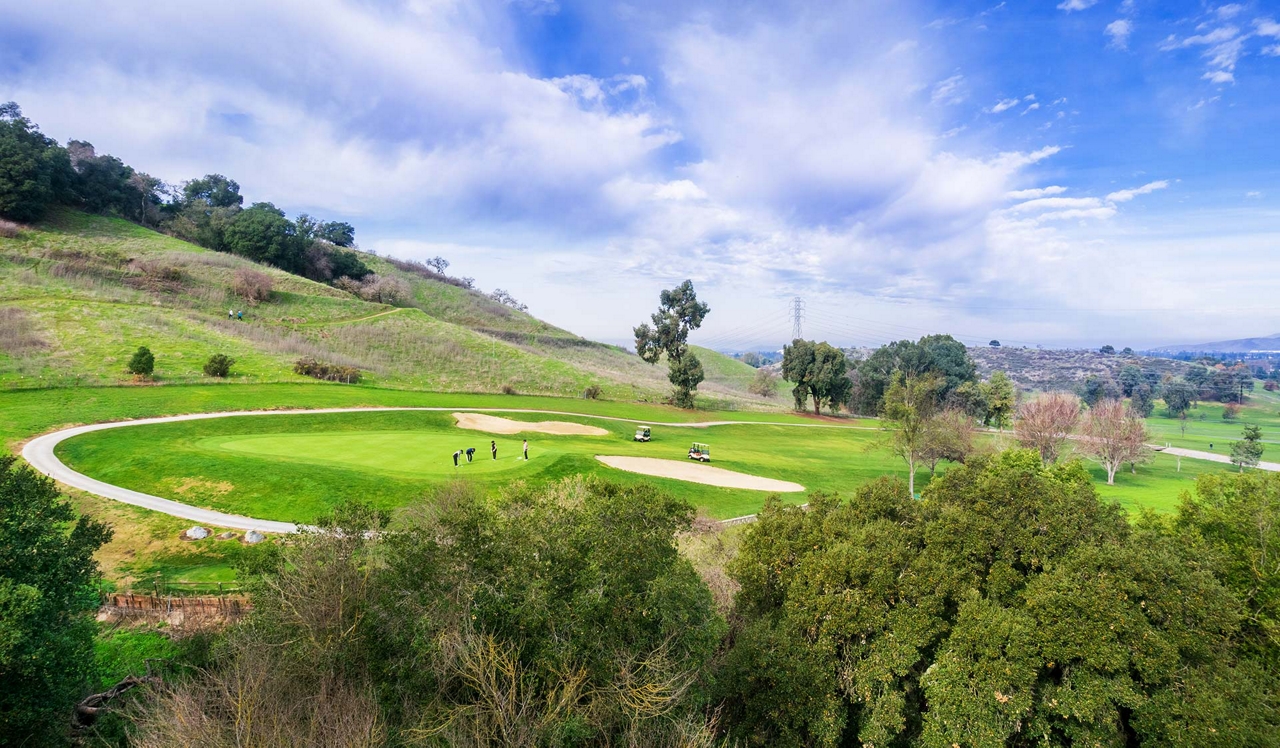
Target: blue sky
1060,173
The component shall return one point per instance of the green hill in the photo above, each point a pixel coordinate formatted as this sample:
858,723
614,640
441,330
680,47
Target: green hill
79,293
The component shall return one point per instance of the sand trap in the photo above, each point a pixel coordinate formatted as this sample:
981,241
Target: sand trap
698,473
496,425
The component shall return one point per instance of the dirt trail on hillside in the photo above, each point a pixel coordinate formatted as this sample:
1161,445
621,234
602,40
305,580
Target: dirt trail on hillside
496,425
698,473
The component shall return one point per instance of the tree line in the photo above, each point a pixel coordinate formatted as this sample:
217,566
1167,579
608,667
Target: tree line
37,173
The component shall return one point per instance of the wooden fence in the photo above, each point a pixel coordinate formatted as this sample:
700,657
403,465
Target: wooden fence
157,603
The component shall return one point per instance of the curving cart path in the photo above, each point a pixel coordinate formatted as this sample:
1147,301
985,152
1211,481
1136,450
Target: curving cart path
39,453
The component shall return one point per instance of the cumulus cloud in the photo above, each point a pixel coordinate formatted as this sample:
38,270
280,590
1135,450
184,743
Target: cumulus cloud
1119,31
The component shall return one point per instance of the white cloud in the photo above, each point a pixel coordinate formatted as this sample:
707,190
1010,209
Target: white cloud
1035,193
1229,11
1031,108
949,91
1003,105
1253,195
1119,31
1273,51
1070,5
1219,76
1124,196
1267,27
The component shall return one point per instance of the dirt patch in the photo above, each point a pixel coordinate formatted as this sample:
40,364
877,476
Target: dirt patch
698,473
496,425
199,487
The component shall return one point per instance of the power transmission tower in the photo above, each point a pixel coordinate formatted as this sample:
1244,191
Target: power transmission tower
797,317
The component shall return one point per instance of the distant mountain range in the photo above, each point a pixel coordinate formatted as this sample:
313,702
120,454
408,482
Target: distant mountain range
1268,344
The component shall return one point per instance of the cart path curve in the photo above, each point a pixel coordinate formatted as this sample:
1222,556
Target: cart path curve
39,453
1197,454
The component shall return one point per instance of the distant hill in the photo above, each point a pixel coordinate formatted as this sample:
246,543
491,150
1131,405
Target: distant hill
1039,369
1268,344
79,293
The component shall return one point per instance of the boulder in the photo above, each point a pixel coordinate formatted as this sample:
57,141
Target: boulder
253,536
197,533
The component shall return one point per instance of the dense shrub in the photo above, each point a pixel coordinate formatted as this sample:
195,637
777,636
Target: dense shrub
376,288
310,367
252,285
557,616
592,392
218,365
143,362
765,383
509,390
47,600
9,229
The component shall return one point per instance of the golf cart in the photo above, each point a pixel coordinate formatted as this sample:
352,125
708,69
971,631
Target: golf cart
700,452
643,434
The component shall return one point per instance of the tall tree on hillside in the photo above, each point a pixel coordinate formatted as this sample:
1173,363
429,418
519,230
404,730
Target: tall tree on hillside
1130,377
1095,389
47,600
1112,434
1248,451
213,191
817,370
1001,399
1143,400
909,405
679,313
1045,423
263,234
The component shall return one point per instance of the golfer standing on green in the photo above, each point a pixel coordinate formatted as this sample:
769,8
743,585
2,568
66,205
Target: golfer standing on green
526,450
493,447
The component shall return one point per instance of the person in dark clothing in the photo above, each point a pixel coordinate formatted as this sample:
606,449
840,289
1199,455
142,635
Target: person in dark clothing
526,450
493,447
456,455
240,315
470,453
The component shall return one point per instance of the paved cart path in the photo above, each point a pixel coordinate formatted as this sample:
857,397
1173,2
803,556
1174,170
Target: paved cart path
1197,454
39,453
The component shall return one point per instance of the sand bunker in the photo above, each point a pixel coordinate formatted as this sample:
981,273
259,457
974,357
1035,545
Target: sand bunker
698,473
496,425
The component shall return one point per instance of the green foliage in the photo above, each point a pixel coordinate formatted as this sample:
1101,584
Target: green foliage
1009,607
263,234
1143,400
47,598
679,312
909,404
218,365
942,355
1178,396
1248,451
212,191
1107,350
1130,377
1096,388
34,171
1000,398
819,370
142,363
765,383
558,616
310,367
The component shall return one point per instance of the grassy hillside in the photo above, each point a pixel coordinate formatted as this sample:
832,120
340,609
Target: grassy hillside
79,293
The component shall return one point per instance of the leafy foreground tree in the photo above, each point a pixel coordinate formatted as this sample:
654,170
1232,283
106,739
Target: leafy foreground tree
561,616
1009,607
679,313
47,600
909,407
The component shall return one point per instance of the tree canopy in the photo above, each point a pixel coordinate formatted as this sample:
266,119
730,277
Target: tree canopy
47,599
818,370
942,355
679,313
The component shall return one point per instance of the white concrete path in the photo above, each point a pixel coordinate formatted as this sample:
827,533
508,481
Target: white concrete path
39,453
1197,454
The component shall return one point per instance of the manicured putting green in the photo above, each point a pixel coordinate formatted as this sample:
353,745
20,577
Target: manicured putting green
408,453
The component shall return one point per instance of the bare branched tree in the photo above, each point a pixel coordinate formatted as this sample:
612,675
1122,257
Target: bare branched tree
1045,423
1111,434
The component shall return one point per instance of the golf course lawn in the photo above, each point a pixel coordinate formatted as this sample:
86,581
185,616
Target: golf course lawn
296,467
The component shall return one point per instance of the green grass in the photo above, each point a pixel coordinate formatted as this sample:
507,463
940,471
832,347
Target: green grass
296,467
1206,430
